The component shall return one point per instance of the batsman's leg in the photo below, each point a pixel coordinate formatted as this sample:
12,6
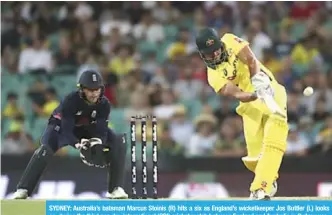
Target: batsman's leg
37,163
275,136
116,170
253,132
274,146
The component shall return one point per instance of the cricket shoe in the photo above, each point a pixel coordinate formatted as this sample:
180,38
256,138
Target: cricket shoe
259,194
21,194
118,193
274,189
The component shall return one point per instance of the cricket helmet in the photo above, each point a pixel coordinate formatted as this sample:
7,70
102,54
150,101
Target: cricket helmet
91,79
208,43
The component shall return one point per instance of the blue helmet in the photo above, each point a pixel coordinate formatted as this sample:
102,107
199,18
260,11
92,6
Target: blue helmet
91,79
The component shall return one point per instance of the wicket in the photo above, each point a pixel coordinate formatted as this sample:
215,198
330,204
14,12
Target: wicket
144,156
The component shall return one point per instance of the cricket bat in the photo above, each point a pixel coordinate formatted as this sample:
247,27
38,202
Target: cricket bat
272,105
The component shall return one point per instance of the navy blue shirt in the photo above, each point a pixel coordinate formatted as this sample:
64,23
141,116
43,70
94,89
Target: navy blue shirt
78,119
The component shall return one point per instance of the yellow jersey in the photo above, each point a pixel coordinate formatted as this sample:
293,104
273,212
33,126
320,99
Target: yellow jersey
301,55
49,107
11,111
237,72
120,67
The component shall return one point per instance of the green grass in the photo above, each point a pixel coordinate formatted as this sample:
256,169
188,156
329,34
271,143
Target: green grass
22,207
37,207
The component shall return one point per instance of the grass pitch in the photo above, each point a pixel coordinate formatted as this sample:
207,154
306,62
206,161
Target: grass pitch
37,207
23,207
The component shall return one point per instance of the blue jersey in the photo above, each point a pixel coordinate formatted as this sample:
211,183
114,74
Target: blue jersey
77,119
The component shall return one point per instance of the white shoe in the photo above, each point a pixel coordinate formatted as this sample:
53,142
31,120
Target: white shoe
21,194
259,195
118,193
273,192
274,189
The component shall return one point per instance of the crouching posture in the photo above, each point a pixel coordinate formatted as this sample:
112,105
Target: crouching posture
81,121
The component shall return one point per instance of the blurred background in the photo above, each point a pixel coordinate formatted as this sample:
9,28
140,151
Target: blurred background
146,53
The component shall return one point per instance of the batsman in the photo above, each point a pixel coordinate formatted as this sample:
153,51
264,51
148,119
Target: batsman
233,70
80,121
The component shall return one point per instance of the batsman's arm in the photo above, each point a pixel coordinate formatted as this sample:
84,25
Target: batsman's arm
232,90
249,58
259,79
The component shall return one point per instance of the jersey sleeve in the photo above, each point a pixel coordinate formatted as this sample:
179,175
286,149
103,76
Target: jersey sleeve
216,79
68,121
233,42
102,121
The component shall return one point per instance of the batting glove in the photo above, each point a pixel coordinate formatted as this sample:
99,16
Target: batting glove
267,96
260,81
268,90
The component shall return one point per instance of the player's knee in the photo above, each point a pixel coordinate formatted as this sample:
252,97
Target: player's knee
121,142
44,151
50,139
118,148
276,145
116,142
254,153
50,147
254,148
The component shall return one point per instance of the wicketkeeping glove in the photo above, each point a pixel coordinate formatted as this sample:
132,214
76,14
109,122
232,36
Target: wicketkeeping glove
95,154
84,144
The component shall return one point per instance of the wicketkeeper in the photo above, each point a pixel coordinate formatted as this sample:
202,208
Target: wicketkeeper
81,121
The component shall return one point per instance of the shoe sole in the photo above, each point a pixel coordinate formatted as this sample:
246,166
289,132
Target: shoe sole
121,198
266,198
21,198
117,198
